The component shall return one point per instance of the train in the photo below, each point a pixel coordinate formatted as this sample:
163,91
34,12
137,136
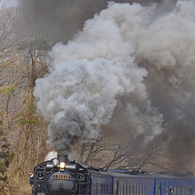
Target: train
60,176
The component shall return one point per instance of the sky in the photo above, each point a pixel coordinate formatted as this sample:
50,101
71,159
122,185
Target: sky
11,3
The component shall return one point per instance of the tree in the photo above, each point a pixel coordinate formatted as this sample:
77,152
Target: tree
22,61
6,156
107,153
34,55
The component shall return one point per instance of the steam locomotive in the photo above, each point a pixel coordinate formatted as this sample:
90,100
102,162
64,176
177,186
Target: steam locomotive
60,176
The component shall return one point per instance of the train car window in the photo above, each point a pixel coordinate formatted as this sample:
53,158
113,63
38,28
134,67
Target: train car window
145,190
157,189
119,189
102,189
167,190
179,189
164,190
170,187
116,188
130,190
109,189
183,190
187,191
175,189
191,191
133,190
142,190
114,192
96,188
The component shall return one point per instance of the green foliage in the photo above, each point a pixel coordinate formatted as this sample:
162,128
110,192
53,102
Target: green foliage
39,43
3,168
6,156
27,122
3,191
7,89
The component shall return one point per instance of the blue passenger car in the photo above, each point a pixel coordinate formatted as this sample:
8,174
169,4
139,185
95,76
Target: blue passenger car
121,183
181,185
101,183
127,184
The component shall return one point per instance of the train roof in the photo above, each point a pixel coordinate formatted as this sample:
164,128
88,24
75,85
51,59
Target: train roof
161,175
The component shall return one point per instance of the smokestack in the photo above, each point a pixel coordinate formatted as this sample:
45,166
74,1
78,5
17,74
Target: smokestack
63,158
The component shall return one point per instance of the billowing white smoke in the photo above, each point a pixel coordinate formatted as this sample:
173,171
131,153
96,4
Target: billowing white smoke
109,61
52,154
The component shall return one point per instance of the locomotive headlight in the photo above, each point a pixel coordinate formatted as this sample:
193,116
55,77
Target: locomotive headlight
55,162
62,165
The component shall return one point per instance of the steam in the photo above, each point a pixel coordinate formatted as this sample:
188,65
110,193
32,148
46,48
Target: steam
52,154
131,68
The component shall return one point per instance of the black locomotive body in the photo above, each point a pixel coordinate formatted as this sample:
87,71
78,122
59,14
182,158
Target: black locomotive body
59,176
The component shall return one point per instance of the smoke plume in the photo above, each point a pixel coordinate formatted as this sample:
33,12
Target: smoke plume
61,19
130,68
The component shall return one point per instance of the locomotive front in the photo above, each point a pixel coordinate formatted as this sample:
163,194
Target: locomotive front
61,183
55,177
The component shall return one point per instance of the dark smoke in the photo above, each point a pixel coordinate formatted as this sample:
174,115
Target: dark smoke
131,68
62,19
